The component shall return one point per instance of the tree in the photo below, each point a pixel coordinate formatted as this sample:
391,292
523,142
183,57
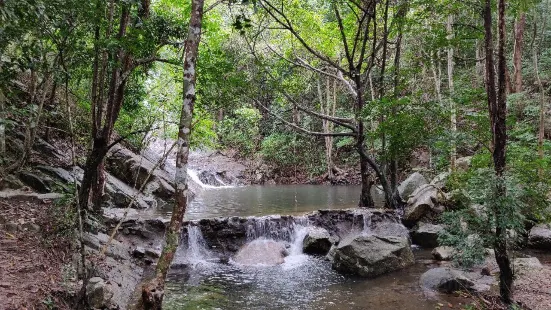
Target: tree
357,25
153,290
497,107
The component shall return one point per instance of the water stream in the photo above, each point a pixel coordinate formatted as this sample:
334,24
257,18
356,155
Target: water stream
202,281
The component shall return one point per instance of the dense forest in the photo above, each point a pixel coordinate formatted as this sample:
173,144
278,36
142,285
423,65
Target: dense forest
341,92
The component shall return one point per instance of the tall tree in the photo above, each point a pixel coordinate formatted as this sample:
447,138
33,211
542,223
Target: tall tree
517,52
497,106
153,290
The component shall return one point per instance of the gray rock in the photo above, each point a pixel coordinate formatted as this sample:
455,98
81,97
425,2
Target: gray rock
540,237
138,252
371,255
153,253
98,293
525,263
410,184
443,253
449,280
463,163
318,241
424,203
390,229
440,180
115,249
426,235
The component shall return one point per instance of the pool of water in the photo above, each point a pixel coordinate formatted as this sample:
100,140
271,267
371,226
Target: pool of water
301,282
267,200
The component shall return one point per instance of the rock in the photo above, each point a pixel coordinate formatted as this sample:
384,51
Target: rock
448,280
11,227
410,184
521,264
426,235
115,249
98,293
424,203
261,252
138,252
390,229
443,253
153,253
318,241
440,180
31,227
463,163
209,178
540,237
36,182
371,255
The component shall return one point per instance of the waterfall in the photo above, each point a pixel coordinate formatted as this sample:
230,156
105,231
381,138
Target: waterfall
194,177
196,245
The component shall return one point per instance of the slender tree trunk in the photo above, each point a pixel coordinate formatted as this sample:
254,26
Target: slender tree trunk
541,125
153,291
453,110
2,124
498,113
517,54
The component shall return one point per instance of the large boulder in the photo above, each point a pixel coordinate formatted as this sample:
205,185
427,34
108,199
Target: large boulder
540,237
424,203
410,184
261,252
372,255
426,235
449,280
318,241
137,170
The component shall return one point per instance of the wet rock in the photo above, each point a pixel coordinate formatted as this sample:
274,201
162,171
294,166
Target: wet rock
98,293
448,280
318,241
424,203
371,255
443,253
155,253
463,163
426,235
261,252
410,184
540,237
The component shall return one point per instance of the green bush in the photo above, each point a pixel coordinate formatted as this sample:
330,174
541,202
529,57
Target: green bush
241,131
279,149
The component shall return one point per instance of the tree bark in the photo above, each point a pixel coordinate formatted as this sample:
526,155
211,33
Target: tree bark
153,291
453,110
517,53
498,113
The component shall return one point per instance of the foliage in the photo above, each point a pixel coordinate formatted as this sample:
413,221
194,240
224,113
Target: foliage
241,131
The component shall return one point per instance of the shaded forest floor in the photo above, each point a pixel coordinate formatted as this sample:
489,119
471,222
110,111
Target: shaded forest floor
31,263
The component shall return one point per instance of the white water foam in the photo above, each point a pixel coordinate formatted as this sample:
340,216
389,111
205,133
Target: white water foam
194,177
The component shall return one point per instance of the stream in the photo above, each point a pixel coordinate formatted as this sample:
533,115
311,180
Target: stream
201,281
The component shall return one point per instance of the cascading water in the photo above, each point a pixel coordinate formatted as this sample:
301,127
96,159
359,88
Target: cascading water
196,251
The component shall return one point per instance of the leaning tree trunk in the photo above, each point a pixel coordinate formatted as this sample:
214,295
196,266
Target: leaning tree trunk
498,113
153,290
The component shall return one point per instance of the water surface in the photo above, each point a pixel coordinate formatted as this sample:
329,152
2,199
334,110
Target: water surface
266,200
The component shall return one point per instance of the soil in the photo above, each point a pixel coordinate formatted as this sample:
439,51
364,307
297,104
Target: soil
30,264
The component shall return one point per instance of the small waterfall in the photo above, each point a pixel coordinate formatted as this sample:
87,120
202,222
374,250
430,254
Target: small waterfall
194,177
366,223
196,245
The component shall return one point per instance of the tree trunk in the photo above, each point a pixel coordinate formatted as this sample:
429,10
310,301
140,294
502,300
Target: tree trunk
497,108
541,125
453,110
517,53
3,119
153,291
